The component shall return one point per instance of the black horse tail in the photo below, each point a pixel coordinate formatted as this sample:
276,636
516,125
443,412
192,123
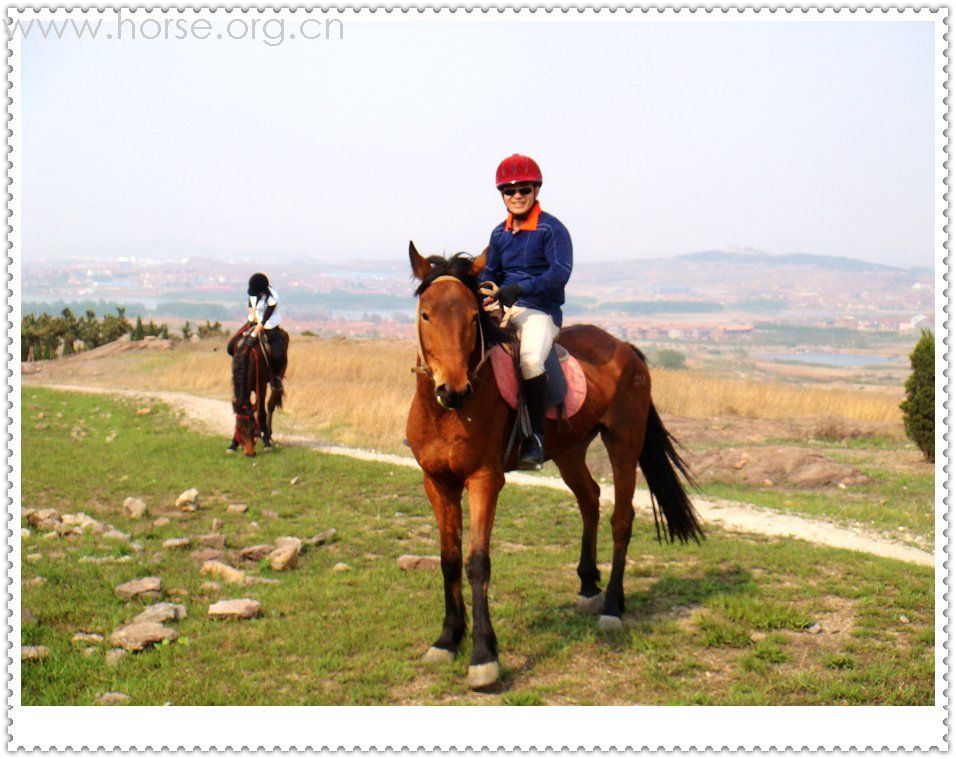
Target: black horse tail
278,393
660,462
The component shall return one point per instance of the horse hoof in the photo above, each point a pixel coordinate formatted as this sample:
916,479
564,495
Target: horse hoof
230,450
592,605
436,655
607,622
482,675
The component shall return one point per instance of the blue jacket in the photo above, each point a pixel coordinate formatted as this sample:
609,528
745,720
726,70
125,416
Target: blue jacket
538,258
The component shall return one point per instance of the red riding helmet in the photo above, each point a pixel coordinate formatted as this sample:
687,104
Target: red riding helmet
517,168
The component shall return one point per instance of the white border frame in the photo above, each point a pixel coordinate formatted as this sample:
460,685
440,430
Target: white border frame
493,727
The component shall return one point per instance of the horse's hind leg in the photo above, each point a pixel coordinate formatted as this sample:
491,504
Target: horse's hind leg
446,503
623,447
575,473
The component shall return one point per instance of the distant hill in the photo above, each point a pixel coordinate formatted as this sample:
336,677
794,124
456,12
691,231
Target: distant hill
835,263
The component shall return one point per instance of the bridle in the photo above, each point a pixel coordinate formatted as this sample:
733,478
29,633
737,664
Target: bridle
422,367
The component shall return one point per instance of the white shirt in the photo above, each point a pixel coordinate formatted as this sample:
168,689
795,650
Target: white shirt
271,299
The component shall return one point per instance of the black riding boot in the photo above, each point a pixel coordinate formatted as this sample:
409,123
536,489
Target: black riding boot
536,396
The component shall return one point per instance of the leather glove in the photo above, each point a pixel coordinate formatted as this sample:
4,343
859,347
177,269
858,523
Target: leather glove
509,294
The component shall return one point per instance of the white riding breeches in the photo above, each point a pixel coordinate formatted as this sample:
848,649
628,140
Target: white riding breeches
536,333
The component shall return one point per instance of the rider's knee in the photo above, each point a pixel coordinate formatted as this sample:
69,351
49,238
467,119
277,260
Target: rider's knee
531,367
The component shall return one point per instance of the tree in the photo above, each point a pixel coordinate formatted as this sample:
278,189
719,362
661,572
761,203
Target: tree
164,331
919,407
138,331
187,331
671,359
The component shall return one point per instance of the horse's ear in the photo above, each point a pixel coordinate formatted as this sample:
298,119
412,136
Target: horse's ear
420,266
478,265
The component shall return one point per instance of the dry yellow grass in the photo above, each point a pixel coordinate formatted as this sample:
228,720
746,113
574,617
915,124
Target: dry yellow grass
358,392
697,396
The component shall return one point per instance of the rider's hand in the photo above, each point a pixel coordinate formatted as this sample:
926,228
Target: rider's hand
509,294
257,330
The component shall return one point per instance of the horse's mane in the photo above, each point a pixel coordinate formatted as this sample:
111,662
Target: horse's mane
459,266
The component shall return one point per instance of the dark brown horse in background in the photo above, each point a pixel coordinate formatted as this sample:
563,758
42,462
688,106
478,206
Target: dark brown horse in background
458,428
251,377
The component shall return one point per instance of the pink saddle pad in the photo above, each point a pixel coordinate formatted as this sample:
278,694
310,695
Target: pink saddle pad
507,379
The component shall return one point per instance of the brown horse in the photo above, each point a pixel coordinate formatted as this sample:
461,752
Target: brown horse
458,428
251,377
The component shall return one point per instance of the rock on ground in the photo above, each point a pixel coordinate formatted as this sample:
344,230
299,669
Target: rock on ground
141,587
322,538
113,534
188,498
212,541
134,508
140,635
33,653
784,465
294,480
408,562
257,552
207,554
288,541
113,656
210,586
284,558
237,508
43,519
223,572
341,567
161,612
113,698
177,543
161,522
235,608
83,637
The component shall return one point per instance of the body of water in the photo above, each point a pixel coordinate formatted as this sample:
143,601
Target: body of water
842,360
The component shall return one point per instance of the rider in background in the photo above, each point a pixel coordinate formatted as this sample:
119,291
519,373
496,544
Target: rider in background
264,313
530,259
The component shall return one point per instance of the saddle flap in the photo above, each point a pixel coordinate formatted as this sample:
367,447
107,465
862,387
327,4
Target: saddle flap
557,383
566,381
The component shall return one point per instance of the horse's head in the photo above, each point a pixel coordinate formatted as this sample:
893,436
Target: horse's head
246,427
451,323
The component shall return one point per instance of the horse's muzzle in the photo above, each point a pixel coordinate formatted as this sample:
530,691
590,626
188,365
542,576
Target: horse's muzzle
450,399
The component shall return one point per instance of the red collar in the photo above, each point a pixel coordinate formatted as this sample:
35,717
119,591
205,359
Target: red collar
530,223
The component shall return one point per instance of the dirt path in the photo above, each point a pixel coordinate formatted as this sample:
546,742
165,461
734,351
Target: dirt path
216,417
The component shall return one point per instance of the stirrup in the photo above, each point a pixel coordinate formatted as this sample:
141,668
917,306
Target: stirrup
532,454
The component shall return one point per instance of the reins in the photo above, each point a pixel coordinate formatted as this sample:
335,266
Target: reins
423,367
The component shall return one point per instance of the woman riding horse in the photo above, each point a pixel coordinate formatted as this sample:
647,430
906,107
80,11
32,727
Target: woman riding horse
253,371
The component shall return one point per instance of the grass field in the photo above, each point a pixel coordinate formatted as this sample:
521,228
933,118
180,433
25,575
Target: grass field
727,622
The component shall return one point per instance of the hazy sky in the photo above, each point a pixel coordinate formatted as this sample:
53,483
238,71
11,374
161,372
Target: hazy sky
655,138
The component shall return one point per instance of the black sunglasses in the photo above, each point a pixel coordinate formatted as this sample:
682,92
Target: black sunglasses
509,191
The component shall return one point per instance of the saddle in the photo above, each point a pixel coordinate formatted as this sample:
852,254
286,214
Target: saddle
567,385
264,345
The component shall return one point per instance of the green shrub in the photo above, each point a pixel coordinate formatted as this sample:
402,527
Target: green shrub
919,408
671,359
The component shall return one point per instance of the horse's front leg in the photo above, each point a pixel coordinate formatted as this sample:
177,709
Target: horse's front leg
445,498
262,416
483,490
